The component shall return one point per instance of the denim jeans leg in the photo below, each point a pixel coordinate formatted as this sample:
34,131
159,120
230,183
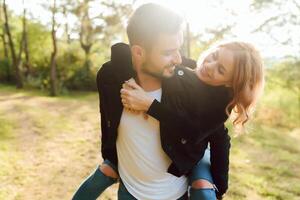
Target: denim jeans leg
94,185
202,171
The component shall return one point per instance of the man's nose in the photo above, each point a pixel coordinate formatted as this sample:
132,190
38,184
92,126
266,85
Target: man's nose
177,58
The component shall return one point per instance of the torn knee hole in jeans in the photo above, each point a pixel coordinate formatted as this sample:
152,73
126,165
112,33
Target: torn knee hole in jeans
202,184
108,171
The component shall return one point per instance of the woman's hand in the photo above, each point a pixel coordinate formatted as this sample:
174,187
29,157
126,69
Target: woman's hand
134,97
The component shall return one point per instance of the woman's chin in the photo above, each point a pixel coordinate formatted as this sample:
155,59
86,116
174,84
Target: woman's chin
168,72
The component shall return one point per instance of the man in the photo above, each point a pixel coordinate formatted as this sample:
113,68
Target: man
131,145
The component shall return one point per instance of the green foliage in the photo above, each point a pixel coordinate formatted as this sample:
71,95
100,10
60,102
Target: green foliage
40,44
75,70
259,4
6,74
286,74
82,79
280,103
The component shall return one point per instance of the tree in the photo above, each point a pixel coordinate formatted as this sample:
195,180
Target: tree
102,26
66,9
53,70
5,48
25,42
285,19
3,35
202,41
16,61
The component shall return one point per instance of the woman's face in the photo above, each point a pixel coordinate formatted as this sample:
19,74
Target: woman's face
217,67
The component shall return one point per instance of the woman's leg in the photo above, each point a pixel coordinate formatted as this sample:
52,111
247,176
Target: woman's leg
200,179
97,182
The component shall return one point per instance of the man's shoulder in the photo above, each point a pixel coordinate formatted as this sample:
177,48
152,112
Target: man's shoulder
105,72
105,68
120,55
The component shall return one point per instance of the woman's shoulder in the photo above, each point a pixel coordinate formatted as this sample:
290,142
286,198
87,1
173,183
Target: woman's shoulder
186,75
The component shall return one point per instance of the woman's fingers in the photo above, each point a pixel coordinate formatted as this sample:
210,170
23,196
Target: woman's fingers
124,101
132,84
124,91
126,86
124,98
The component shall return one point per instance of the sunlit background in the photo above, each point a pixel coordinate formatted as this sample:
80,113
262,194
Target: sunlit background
242,17
49,107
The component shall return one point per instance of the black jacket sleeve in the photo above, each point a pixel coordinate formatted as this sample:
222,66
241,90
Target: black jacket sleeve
102,113
180,121
219,158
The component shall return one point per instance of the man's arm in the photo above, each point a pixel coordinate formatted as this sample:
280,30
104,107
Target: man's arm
219,148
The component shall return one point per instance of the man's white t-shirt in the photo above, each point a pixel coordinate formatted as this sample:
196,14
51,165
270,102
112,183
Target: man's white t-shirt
142,163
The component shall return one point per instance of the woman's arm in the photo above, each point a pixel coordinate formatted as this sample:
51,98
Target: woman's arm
136,98
219,149
198,128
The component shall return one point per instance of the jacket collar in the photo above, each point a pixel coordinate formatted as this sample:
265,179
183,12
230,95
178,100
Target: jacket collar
122,62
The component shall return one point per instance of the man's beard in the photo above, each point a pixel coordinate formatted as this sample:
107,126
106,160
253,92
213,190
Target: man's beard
157,74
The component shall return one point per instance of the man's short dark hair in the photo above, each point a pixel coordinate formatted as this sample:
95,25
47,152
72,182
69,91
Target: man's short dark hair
148,21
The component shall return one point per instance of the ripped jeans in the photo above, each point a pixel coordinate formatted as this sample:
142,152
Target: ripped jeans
202,171
97,182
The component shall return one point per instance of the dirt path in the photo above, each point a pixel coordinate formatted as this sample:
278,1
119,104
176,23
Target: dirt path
55,144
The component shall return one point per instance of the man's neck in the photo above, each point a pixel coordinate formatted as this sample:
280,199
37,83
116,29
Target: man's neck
148,82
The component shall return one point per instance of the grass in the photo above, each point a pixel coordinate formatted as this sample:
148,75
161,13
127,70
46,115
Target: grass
48,145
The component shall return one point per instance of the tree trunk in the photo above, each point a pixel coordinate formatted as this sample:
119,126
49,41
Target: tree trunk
4,42
25,39
15,61
3,36
53,78
86,35
86,48
68,38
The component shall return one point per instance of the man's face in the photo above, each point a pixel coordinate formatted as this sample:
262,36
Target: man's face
164,55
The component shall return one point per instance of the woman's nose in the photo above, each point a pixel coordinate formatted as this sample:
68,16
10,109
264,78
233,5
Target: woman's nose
209,68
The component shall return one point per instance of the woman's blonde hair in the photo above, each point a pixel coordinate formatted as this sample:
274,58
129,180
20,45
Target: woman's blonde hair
247,82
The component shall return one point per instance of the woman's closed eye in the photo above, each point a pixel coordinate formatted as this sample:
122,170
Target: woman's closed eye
215,55
221,69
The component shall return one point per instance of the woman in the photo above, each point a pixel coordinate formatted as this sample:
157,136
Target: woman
228,79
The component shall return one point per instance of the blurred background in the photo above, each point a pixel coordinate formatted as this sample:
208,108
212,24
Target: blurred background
50,52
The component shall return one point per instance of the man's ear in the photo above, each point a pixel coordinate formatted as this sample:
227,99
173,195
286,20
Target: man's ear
138,53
